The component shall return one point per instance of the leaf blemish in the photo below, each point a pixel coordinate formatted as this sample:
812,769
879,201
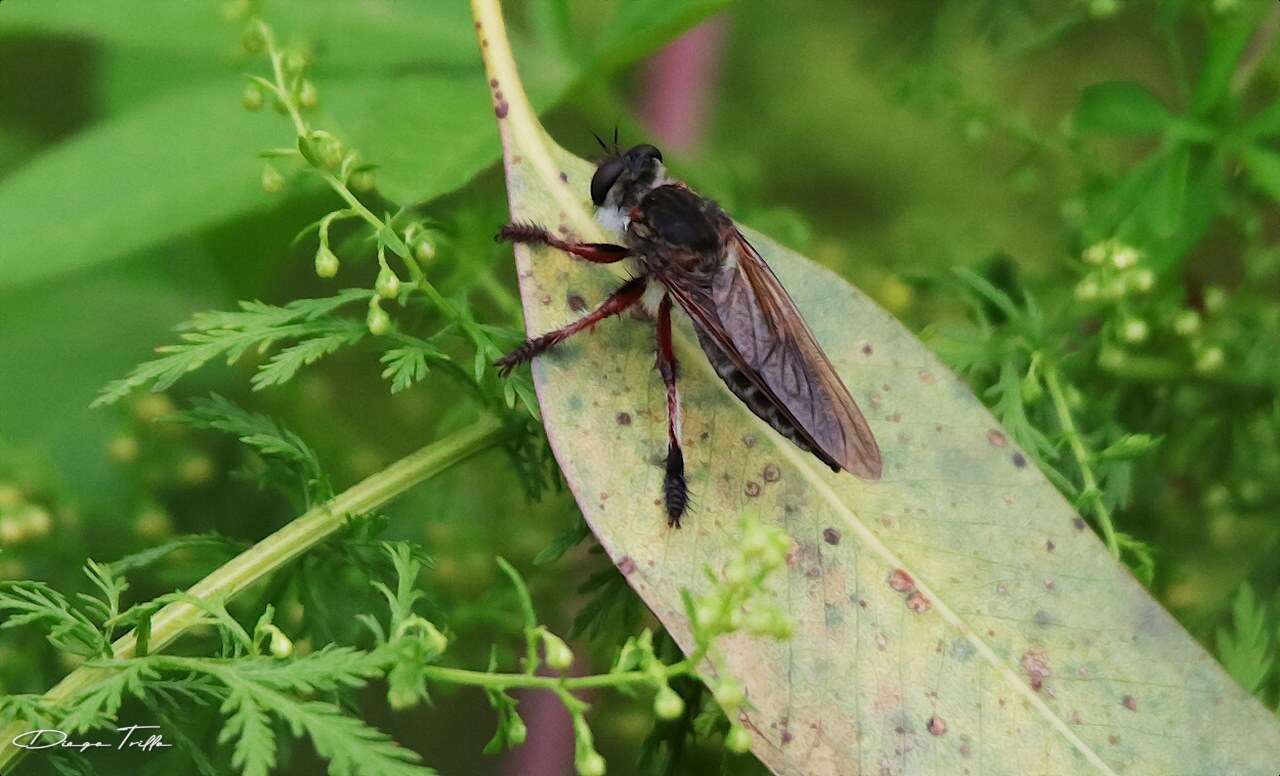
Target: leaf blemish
937,725
623,418
493,83
1019,460
752,489
771,473
1036,666
626,565
918,603
902,582
1078,523
831,536
576,302
564,177
997,438
1050,546
1130,703
866,349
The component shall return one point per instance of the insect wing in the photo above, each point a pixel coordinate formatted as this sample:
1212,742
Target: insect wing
753,320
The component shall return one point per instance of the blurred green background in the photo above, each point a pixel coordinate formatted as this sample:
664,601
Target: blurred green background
891,141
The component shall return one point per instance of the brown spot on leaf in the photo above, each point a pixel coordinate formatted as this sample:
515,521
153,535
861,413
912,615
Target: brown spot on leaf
500,110
576,303
1035,664
866,349
786,736
749,440
918,603
752,489
830,536
882,641
1050,546
493,83
546,299
771,473
484,43
1130,703
937,725
1019,460
1113,740
1078,523
564,177
901,581
926,377
997,438
623,418
626,565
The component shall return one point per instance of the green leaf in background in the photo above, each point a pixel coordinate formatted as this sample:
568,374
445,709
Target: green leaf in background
173,165
1122,108
956,615
1263,165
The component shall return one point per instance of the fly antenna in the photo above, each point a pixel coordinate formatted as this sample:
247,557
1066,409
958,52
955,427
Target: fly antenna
599,140
615,134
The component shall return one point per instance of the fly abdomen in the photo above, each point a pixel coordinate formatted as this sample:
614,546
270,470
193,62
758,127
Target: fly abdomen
758,401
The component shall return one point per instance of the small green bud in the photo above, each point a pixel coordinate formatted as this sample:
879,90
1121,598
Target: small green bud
326,262
516,730
424,249
736,572
378,321
1032,390
738,740
1096,253
1187,323
1114,289
1135,331
1210,360
251,39
321,149
363,181
591,764
1112,358
1214,299
308,97
281,646
558,654
705,616
1124,257
10,495
272,180
252,96
36,521
1087,290
123,448
729,694
12,530
668,704
388,284
436,641
1142,280
294,61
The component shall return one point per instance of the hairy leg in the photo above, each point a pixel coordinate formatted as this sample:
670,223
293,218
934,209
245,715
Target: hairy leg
532,234
675,490
627,295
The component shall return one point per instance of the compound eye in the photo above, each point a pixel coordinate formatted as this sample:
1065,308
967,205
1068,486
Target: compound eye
606,175
644,152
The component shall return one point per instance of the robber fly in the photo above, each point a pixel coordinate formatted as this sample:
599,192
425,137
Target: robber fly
688,250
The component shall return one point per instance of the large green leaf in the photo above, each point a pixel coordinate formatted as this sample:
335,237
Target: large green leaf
1030,649
184,160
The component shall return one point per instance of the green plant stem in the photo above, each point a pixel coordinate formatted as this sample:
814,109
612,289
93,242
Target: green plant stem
273,552
1090,492
491,681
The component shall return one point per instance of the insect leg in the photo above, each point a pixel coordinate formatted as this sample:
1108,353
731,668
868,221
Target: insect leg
627,295
597,253
675,490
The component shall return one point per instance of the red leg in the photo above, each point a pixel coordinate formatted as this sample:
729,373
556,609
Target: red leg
598,253
627,295
674,488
